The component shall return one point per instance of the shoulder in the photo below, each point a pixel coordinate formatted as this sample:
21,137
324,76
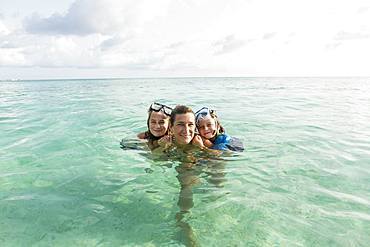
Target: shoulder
221,142
142,135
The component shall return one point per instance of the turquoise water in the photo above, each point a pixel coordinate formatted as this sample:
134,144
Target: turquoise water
303,180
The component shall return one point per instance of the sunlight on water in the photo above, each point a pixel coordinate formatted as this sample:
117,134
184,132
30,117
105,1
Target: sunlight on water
303,179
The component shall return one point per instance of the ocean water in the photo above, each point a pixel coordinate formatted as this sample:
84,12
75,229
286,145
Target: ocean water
303,179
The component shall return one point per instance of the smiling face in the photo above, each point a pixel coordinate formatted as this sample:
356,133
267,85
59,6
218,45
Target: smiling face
183,128
158,123
207,127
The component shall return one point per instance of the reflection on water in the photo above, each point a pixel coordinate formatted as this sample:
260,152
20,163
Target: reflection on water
189,176
192,166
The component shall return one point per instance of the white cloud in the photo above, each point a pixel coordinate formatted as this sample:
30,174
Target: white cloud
363,10
82,18
269,35
192,37
342,35
332,46
12,57
112,42
3,29
228,44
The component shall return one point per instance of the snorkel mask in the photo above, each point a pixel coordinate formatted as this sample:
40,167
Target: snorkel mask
202,113
157,107
160,107
205,112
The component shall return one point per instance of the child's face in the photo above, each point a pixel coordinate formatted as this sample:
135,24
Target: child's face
158,123
207,127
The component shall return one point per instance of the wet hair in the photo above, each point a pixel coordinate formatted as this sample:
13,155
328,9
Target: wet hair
179,109
148,135
220,129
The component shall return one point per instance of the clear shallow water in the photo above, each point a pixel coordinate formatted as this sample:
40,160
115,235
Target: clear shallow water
304,179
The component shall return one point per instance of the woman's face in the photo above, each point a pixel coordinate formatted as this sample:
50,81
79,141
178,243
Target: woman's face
183,128
207,127
158,123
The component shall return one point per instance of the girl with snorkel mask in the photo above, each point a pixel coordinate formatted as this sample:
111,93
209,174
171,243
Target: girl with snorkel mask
158,124
212,132
208,126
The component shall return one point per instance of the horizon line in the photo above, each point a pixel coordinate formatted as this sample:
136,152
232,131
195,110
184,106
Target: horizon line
173,77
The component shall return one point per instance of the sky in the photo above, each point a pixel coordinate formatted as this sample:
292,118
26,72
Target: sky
43,39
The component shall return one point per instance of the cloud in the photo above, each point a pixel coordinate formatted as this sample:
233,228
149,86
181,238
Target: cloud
7,44
84,17
332,46
342,35
363,10
269,35
48,51
175,45
228,44
3,29
114,41
142,34
12,57
176,36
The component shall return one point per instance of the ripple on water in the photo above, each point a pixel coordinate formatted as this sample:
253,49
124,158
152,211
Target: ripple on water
303,179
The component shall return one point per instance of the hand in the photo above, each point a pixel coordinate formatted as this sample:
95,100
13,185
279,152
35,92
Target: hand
197,141
207,143
165,141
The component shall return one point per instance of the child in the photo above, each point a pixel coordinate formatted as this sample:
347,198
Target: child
213,134
210,128
158,120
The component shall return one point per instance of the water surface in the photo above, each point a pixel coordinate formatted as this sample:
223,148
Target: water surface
303,180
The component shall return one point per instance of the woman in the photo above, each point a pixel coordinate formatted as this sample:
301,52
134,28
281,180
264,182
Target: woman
158,122
183,132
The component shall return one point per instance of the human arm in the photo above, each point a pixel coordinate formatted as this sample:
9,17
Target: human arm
163,144
207,143
197,141
141,135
